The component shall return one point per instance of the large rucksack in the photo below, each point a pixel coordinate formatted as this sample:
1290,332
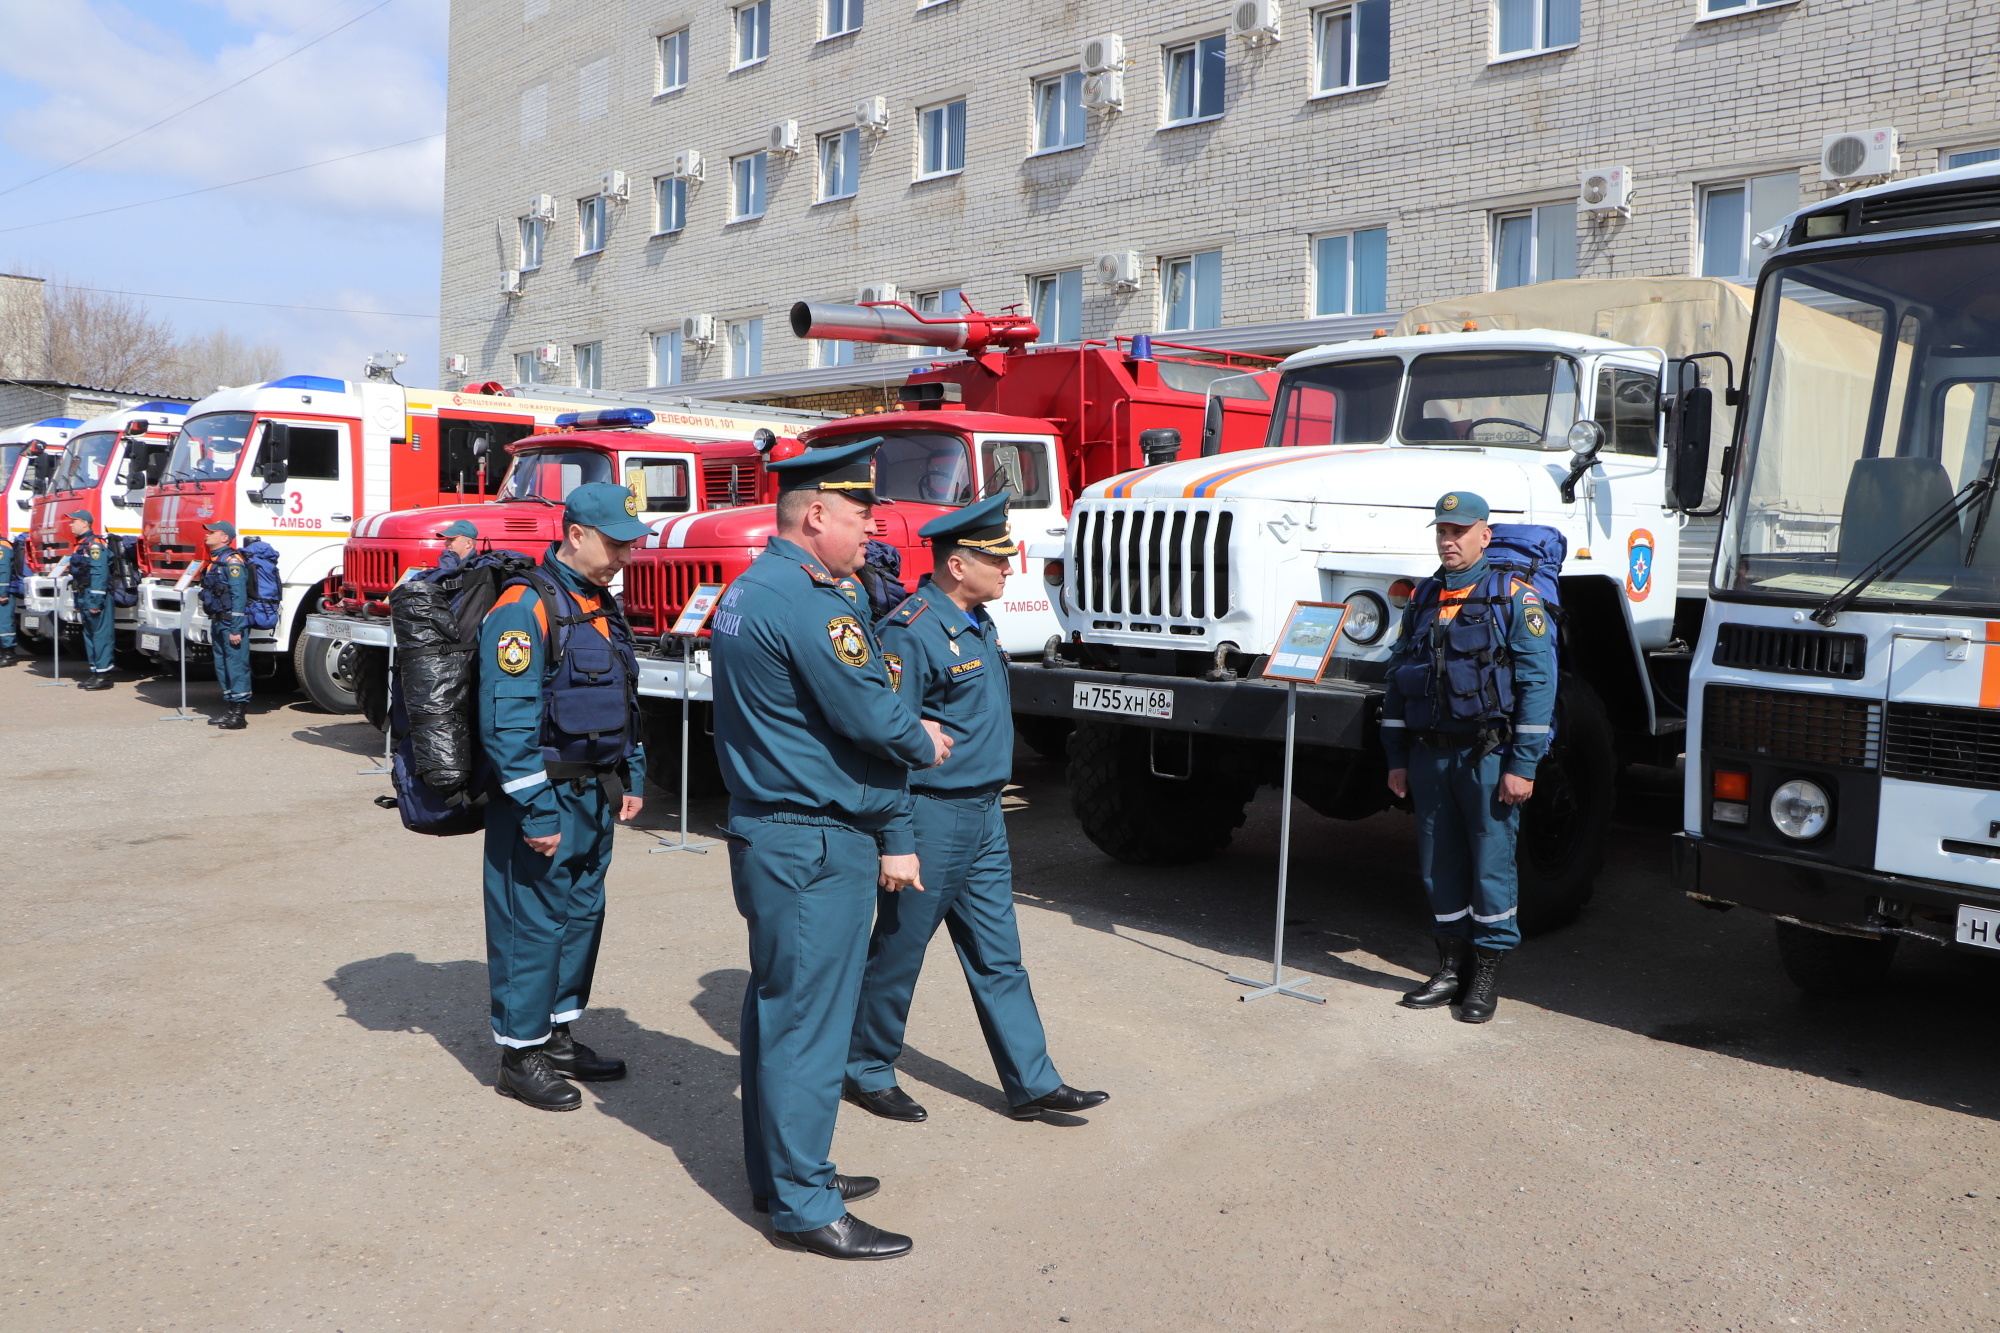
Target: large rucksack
124,571
265,588
1534,554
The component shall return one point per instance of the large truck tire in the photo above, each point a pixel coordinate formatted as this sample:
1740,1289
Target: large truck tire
1046,736
1144,820
1565,824
661,731
1834,966
327,669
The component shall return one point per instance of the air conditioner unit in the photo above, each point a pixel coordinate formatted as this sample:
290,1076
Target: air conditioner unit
1102,53
687,166
872,113
510,282
783,138
1119,269
615,185
456,365
1846,157
542,208
877,291
548,354
1256,20
1605,190
1104,90
698,329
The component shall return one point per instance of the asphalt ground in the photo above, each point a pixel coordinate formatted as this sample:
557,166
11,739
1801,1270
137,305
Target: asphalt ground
251,1088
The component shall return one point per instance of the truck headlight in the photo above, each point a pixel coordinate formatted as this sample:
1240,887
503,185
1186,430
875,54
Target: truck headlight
1367,617
1052,573
1801,809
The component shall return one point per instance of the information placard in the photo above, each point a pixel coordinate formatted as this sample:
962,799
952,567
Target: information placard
1306,642
695,614
187,576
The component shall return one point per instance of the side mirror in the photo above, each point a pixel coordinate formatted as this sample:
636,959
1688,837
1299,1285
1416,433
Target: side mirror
1160,445
134,478
277,461
44,469
1211,428
156,463
1693,417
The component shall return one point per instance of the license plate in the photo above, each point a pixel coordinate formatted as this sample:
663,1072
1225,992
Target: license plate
342,631
1124,700
32,623
1979,926
149,643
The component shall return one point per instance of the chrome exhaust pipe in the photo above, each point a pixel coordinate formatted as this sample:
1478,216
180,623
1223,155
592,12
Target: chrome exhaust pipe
876,324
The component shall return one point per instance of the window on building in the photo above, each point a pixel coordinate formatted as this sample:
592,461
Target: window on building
670,204
593,221
1351,46
1534,245
746,346
753,33
842,16
1191,291
589,365
1717,8
533,231
1970,157
1524,27
1195,77
1733,212
1059,115
839,164
746,176
945,301
666,358
941,134
528,368
673,61
1351,272
830,352
1058,305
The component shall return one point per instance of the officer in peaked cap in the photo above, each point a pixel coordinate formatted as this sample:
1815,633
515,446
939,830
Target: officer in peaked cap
90,589
461,539
1465,722
947,666
559,723
225,600
816,751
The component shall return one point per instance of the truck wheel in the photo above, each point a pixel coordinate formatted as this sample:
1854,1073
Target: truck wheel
1144,820
662,734
1837,966
1046,736
326,668
1566,822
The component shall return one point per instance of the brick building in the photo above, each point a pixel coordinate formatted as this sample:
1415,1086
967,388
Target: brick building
1255,193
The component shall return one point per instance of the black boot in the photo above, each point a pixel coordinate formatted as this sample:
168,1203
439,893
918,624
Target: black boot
1443,987
7,656
572,1059
1482,989
525,1075
233,720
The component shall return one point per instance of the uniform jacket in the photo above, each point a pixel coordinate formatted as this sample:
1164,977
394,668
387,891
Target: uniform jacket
1531,640
225,589
805,717
513,658
7,571
947,666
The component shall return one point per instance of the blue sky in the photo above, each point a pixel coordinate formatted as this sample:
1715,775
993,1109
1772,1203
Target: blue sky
363,234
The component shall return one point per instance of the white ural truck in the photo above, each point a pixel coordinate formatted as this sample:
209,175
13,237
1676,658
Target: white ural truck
1843,769
1584,405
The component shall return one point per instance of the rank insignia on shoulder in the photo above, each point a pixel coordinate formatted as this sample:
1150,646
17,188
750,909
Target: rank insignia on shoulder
1538,624
820,576
850,645
513,652
895,665
907,611
959,669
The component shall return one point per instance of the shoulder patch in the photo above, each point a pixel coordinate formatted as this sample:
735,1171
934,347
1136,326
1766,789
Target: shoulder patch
907,611
514,651
895,665
1538,624
235,570
850,645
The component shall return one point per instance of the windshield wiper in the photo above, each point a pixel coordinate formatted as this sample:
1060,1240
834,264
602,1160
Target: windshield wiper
1907,547
540,499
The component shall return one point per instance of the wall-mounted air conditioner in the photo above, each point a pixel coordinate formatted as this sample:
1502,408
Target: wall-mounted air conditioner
1855,156
542,208
548,354
872,113
877,291
510,282
456,365
1605,190
1104,90
687,166
1102,53
1256,20
615,185
783,138
698,329
1119,269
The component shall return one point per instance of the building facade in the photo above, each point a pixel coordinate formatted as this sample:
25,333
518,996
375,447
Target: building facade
638,190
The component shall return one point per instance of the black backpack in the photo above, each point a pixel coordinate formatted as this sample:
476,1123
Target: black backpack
123,574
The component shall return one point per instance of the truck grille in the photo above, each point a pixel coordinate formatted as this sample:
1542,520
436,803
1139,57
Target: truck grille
1171,562
371,571
1929,743
1790,651
656,590
724,485
1802,728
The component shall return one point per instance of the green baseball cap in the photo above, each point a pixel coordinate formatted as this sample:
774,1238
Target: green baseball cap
223,526
1460,507
83,514
458,528
612,510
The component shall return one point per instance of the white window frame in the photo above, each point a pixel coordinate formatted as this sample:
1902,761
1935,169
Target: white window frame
1703,11
1055,93
592,206
832,352
1199,269
668,357
844,146
933,121
1192,51
670,57
751,361
849,13
1748,185
664,189
757,16
1053,283
935,303
1322,20
538,228
1536,217
587,365
1348,262
757,166
1542,45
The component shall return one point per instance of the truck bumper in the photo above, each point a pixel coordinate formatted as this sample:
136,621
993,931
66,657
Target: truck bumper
157,624
1337,715
38,595
372,631
669,678
1846,900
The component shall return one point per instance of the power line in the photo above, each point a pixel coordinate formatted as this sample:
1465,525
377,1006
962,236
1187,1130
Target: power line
146,129
248,180
217,300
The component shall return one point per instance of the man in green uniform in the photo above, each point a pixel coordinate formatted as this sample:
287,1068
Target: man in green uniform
90,588
946,663
9,578
225,600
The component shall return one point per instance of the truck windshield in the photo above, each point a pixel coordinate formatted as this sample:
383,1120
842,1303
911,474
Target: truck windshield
83,461
9,455
551,474
1872,406
209,447
1345,402
1525,399
924,467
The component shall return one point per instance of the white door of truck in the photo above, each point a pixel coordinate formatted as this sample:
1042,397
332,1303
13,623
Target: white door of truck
1630,527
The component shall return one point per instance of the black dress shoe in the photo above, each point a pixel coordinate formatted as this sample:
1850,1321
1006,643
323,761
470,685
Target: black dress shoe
850,1187
1064,1098
96,680
1454,959
1482,989
526,1076
890,1104
849,1238
572,1059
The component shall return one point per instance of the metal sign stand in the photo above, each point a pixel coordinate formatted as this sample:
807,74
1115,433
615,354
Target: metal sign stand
388,764
55,641
1277,985
687,693
181,714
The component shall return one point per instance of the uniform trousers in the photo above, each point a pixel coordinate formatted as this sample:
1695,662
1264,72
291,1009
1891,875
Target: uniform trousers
1465,845
7,619
99,630
232,664
968,879
545,914
806,887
